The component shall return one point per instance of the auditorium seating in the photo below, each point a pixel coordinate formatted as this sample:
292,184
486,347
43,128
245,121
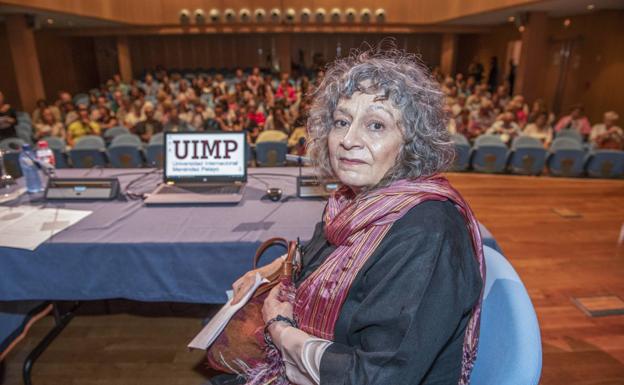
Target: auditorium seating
112,132
527,156
462,153
89,151
58,146
125,151
510,349
271,154
489,154
566,157
605,164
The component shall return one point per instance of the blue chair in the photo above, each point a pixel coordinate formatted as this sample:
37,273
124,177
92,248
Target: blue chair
605,164
510,348
155,155
11,144
158,138
462,153
23,117
112,132
58,147
24,131
11,163
489,154
566,157
127,139
88,152
125,156
570,134
81,99
527,156
271,154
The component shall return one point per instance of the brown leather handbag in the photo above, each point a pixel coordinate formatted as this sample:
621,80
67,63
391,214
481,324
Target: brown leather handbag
241,344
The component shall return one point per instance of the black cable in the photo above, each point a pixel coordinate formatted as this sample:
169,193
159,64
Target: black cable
131,194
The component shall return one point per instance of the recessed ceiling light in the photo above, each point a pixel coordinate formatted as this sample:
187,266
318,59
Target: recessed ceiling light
567,22
511,19
591,7
521,28
50,21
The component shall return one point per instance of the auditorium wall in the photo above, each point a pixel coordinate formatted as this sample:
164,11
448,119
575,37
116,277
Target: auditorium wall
67,63
592,75
247,50
8,85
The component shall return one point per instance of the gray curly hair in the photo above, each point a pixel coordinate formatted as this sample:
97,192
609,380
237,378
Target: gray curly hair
401,78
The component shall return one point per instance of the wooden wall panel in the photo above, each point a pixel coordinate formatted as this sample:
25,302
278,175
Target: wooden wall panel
594,76
8,85
67,63
247,50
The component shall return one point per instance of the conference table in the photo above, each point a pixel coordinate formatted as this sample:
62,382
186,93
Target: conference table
125,249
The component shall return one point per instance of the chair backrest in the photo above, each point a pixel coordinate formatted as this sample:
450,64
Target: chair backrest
125,156
81,99
55,143
126,140
489,140
510,348
605,164
526,141
570,134
158,138
271,153
563,143
155,155
491,157
459,139
527,159
23,116
114,131
12,144
90,142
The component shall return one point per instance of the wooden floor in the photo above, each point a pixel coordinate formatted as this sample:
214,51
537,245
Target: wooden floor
557,258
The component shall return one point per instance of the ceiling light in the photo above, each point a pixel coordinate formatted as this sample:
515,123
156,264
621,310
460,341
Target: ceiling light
591,7
511,19
567,22
521,28
50,21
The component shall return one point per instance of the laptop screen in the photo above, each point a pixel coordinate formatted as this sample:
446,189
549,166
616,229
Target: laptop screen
205,157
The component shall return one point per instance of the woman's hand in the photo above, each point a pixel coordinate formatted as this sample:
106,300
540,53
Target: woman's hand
242,285
272,308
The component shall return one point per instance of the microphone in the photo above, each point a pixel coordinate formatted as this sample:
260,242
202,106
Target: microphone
298,159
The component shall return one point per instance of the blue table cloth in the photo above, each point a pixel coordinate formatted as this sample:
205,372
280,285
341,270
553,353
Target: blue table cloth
181,253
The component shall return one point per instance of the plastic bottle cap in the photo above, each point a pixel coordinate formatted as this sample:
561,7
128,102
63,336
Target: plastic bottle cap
26,147
42,144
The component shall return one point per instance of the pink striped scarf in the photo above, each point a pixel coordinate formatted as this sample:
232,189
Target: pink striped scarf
357,225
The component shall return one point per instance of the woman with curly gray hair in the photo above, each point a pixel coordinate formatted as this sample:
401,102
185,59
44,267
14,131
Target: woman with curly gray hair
390,286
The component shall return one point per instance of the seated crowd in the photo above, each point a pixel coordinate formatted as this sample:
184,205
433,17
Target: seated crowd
475,109
270,109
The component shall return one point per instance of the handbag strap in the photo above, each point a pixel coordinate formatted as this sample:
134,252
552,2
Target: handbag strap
266,245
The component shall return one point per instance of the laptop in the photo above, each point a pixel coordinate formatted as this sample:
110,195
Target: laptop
202,168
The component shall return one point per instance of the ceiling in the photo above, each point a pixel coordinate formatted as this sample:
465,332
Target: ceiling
46,19
554,8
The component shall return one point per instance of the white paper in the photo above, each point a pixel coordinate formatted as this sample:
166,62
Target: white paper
211,331
12,195
26,227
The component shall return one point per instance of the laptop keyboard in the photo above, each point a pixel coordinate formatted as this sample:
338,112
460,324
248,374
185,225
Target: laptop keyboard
233,189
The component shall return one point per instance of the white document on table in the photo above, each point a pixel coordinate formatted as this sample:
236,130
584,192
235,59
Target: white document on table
211,331
26,227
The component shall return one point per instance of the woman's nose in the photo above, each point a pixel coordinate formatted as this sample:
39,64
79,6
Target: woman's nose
352,137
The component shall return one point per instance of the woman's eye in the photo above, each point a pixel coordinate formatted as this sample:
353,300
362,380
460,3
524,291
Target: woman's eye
376,126
340,123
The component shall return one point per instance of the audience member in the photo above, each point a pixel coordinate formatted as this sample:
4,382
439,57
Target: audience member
606,135
149,126
540,129
576,120
505,127
82,126
8,119
49,125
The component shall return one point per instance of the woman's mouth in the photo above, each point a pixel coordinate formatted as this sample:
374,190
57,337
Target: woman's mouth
351,161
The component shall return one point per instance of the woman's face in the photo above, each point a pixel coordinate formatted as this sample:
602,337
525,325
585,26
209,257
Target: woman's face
365,140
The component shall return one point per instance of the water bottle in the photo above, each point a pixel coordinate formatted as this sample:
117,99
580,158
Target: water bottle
45,154
30,170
